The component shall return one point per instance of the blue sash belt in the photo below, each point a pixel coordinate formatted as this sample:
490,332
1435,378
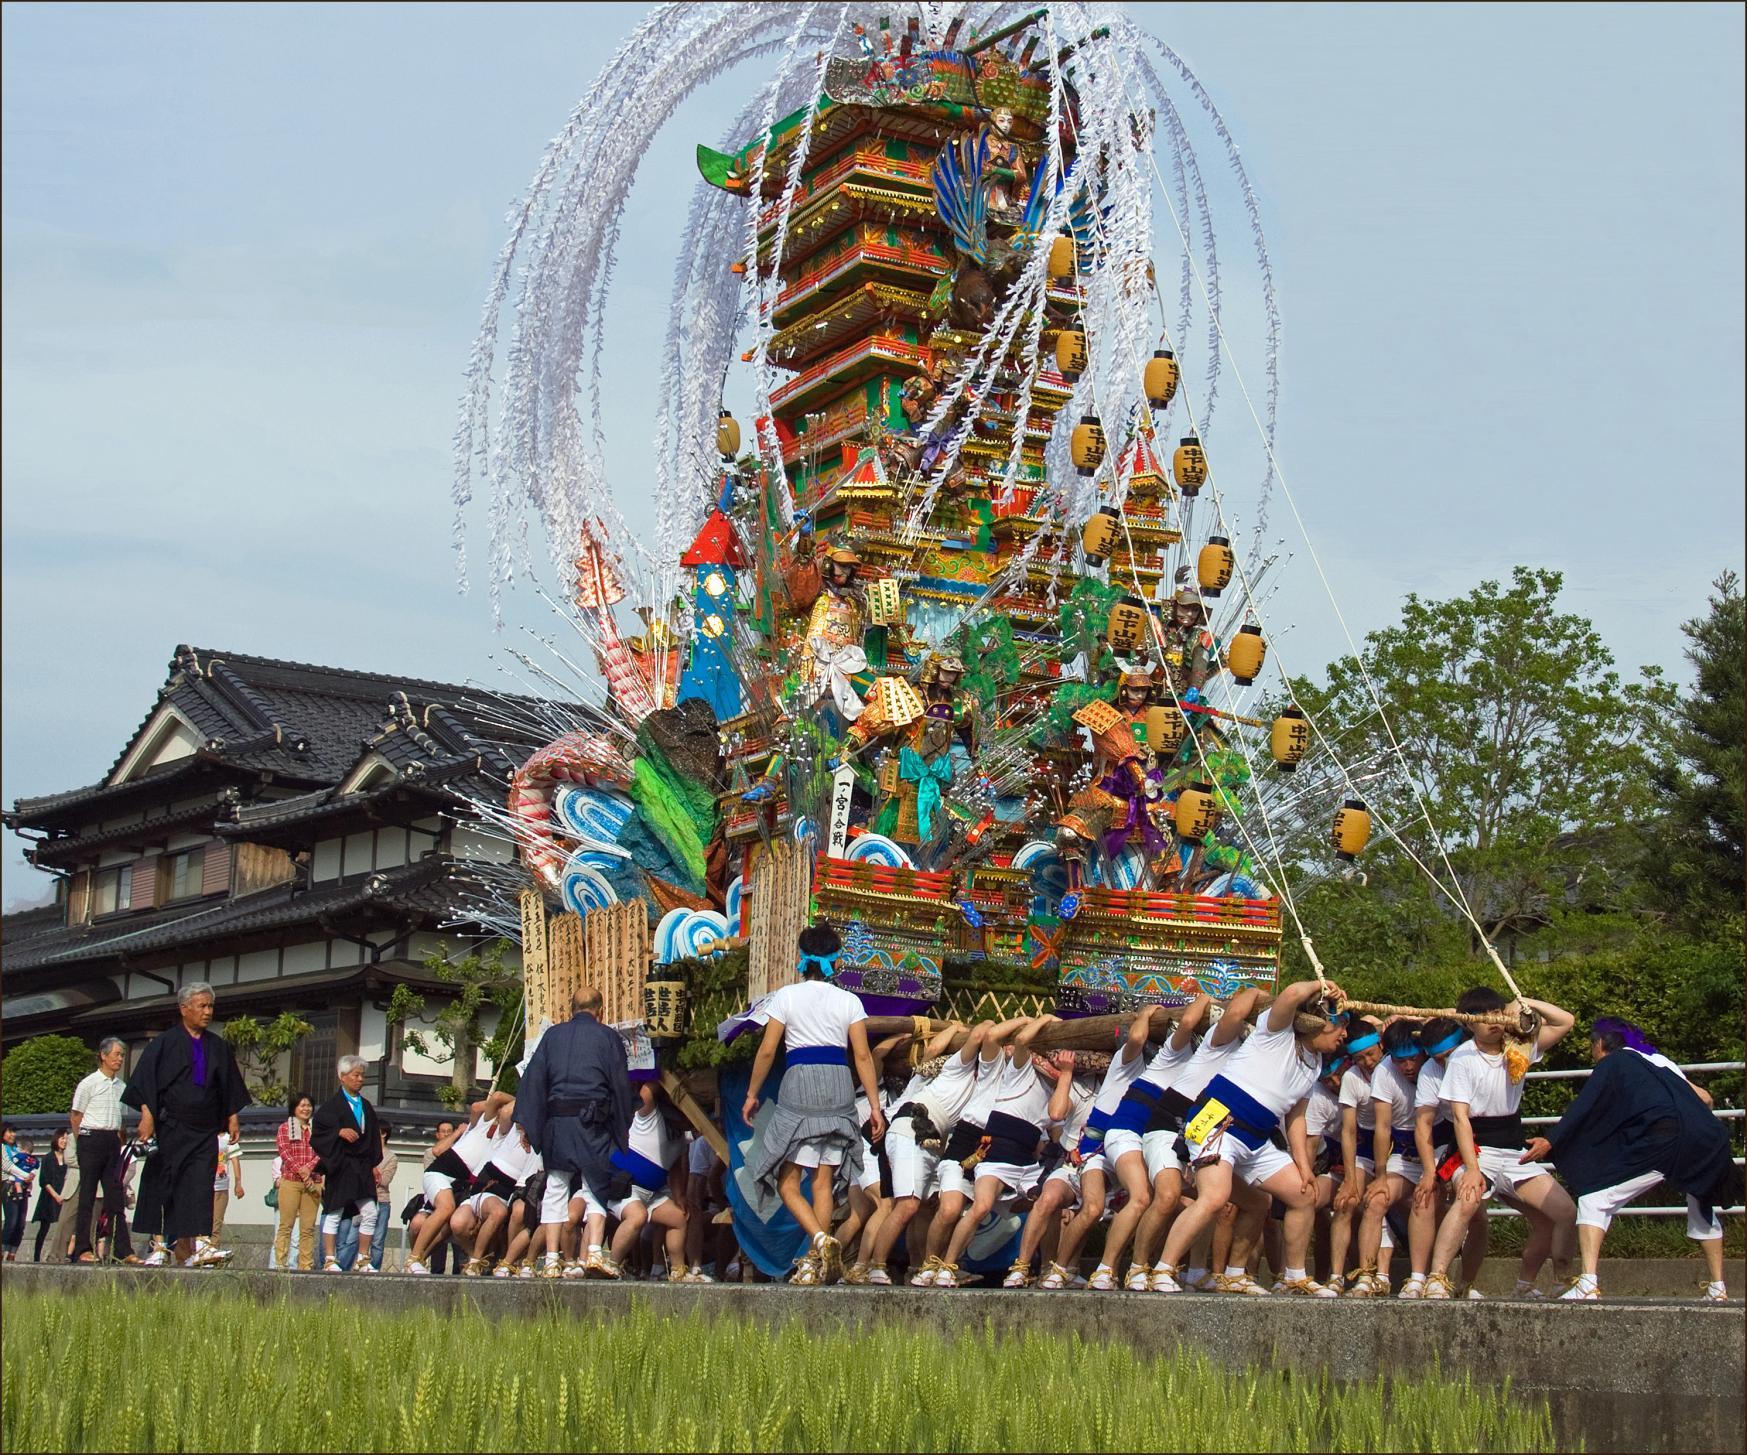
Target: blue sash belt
643,1172
818,1056
1402,1143
1136,1107
1092,1134
1251,1122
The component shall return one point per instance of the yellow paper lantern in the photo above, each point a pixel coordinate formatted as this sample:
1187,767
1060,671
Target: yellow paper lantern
1189,466
1198,812
1061,259
1070,353
1126,628
1159,379
1213,567
727,435
1086,445
1352,830
1289,739
1166,727
1100,535
1245,654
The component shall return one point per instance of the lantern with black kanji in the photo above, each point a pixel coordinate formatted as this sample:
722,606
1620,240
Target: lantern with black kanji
727,435
1101,533
1189,466
1166,727
1086,444
1245,654
1213,567
1158,381
1061,259
1126,628
1289,739
664,1004
1198,812
1352,830
1070,353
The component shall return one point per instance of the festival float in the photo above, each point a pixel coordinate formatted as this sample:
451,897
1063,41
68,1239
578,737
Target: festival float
950,640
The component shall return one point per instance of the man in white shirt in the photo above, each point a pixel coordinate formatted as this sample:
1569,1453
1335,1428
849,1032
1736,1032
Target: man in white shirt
96,1125
1483,1087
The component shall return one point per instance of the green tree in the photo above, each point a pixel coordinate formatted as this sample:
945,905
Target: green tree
38,1076
258,1049
1531,752
480,980
1696,859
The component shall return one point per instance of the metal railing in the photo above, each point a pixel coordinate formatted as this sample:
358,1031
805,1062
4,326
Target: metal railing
1722,1113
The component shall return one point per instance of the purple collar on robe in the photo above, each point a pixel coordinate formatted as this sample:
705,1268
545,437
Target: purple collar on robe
197,1055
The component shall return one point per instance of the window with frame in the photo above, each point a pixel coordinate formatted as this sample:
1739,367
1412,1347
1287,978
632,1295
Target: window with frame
181,875
112,890
315,1057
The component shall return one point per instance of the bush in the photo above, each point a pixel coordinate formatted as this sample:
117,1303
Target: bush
38,1077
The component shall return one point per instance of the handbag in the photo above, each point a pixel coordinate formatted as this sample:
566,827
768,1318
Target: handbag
272,1197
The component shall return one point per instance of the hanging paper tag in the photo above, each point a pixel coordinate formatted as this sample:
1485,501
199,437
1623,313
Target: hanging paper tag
1204,1123
842,791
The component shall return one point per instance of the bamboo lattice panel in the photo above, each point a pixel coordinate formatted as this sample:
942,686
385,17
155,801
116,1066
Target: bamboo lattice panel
968,1005
616,943
782,887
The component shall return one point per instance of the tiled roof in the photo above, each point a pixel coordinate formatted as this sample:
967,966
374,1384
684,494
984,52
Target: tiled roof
216,808
307,725
419,888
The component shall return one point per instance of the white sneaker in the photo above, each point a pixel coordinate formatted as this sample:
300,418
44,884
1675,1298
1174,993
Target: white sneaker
1139,1279
207,1256
157,1258
414,1267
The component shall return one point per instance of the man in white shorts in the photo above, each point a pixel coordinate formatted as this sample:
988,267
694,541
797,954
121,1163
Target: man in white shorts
1014,1129
1394,1153
484,1214
1483,1088
448,1181
1363,1051
1639,1122
1228,1134
647,1160
1070,1106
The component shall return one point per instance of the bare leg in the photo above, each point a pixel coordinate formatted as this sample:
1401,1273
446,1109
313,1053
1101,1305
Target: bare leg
788,1186
1131,1172
1093,1196
892,1227
630,1227
987,1190
1167,1197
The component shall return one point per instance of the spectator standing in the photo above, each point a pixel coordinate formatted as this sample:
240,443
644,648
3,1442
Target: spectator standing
188,1089
20,1179
52,1175
439,1259
385,1170
67,1213
96,1123
299,1186
349,1143
228,1183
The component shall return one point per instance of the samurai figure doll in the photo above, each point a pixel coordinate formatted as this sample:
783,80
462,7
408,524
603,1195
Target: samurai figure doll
1124,800
1191,653
914,809
834,652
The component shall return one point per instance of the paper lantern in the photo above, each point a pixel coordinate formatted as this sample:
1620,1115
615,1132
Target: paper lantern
1070,353
1352,830
1289,739
1166,727
1246,654
1159,379
1126,628
1189,466
727,435
1213,567
1101,534
1061,259
1198,812
1086,444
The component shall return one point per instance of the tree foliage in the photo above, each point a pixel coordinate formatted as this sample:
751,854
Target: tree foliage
480,981
38,1076
1531,753
258,1049
1697,861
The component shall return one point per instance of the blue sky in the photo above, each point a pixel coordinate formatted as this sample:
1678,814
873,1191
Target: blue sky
245,250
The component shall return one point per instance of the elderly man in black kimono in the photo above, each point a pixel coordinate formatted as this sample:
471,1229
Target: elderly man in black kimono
575,1107
188,1089
1638,1124
345,1137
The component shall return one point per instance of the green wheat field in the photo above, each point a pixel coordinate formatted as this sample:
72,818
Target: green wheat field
120,1370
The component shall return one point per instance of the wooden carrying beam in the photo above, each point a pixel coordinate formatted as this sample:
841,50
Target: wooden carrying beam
695,1114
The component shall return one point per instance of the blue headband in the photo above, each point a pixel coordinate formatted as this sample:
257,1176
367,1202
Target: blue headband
1362,1043
827,963
1449,1043
1406,1053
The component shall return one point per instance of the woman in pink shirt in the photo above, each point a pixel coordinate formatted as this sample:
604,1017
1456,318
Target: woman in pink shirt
299,1186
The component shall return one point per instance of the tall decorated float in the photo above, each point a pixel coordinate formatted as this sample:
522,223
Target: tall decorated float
948,636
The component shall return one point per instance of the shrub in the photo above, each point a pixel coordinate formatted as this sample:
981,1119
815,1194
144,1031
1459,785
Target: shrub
38,1077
